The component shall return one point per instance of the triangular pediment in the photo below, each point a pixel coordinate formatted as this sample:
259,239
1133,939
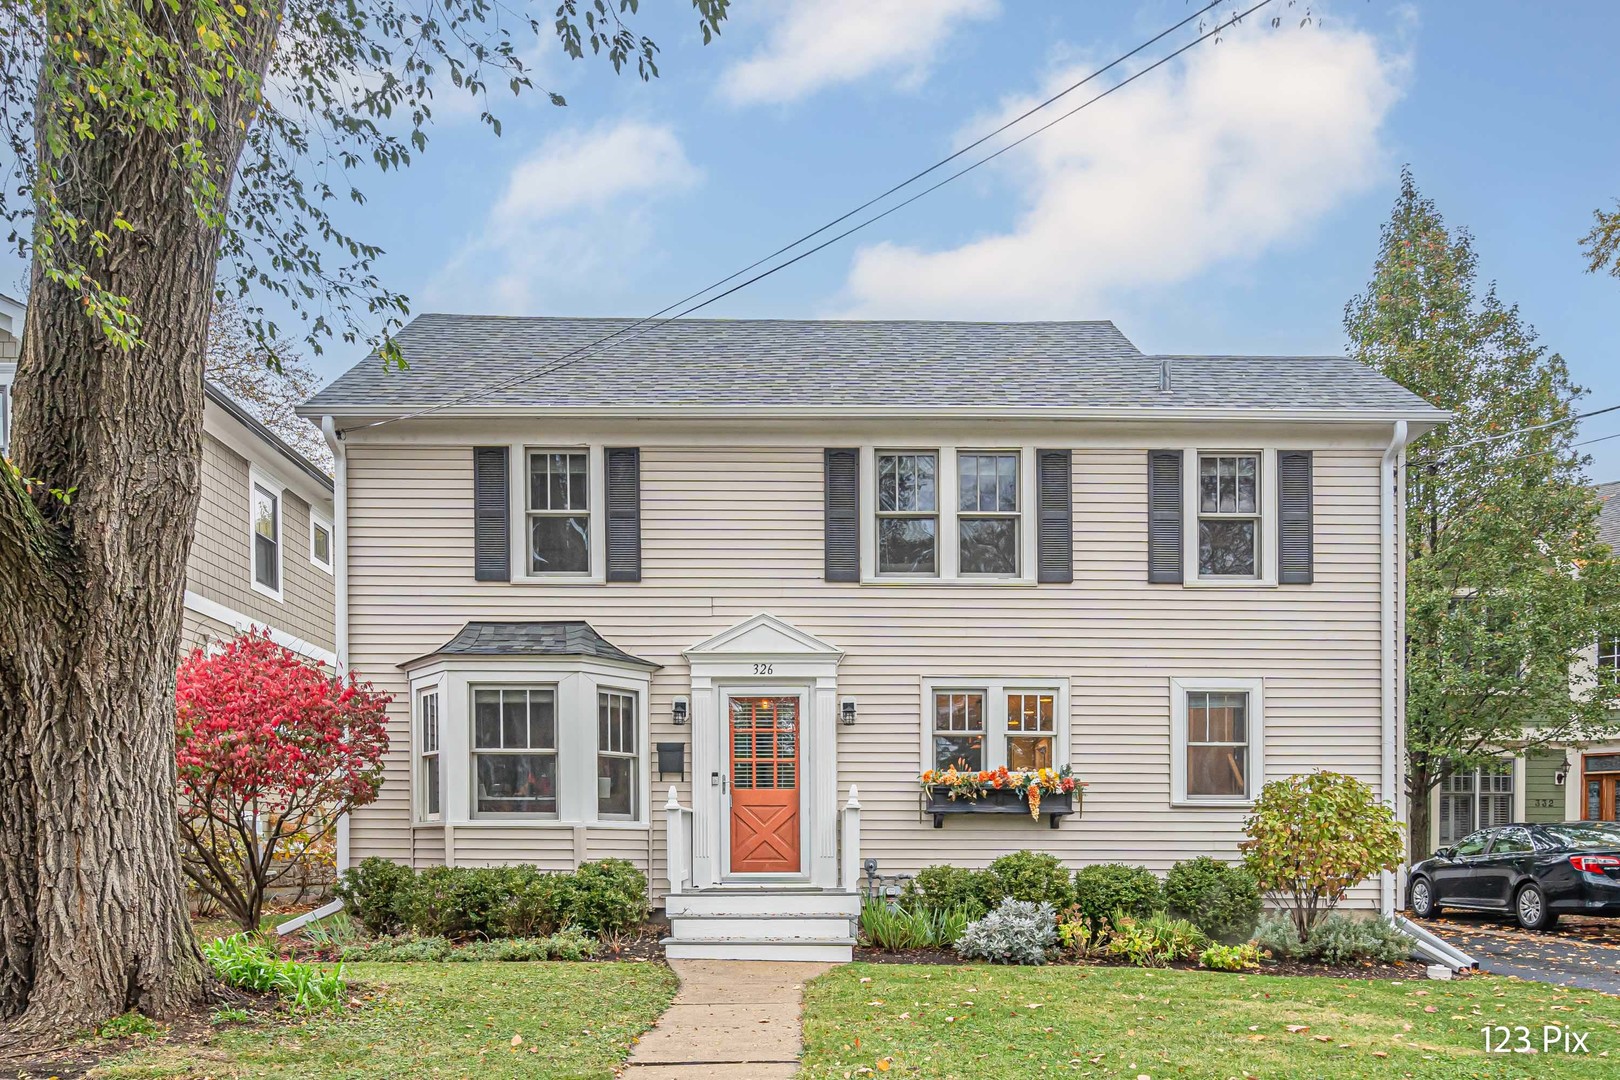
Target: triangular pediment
764,635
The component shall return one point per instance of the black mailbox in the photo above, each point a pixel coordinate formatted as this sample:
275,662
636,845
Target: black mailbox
672,759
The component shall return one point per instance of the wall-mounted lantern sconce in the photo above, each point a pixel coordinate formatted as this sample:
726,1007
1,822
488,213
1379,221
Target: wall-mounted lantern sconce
678,713
846,711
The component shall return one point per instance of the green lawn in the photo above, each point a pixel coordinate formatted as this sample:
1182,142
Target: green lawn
442,1020
944,1022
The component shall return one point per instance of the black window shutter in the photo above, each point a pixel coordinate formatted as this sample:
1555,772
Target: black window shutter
623,514
492,493
1164,516
1295,548
1054,497
842,510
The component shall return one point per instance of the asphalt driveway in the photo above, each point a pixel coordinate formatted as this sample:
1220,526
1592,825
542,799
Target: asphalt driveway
1580,952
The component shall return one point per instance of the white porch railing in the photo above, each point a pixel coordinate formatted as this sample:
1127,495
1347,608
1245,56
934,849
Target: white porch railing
849,861
677,843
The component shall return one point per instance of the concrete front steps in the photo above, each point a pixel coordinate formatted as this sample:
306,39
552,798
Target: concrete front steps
762,924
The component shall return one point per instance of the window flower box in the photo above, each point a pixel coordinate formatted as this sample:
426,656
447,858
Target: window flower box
1053,792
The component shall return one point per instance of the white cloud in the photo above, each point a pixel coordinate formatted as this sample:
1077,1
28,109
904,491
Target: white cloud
573,209
1239,148
818,43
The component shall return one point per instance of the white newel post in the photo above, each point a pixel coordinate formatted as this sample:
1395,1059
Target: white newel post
851,840
674,843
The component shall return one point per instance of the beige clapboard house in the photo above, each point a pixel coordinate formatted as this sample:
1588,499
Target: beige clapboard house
712,598
263,552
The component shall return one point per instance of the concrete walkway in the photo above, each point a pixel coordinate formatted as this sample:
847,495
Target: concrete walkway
732,1018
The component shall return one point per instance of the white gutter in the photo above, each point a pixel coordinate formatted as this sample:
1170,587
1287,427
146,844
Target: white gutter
1391,551
340,584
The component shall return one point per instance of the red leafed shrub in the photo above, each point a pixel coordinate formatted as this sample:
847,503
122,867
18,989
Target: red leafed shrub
271,749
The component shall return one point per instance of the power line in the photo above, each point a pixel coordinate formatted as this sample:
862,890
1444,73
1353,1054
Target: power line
579,353
1555,450
1526,430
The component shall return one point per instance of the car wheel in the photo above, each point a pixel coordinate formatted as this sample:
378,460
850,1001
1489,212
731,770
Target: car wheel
1530,906
1423,902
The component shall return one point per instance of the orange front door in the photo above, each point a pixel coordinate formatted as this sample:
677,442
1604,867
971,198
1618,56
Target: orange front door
765,785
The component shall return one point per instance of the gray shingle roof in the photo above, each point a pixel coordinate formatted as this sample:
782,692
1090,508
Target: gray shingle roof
1609,516
774,362
568,638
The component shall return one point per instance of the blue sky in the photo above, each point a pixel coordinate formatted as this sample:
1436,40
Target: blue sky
1228,202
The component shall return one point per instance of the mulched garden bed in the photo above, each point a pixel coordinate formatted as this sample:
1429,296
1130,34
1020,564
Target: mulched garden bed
1404,970
194,1027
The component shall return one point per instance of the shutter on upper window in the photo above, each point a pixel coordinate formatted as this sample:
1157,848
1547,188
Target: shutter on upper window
842,516
623,514
492,494
1054,497
1164,516
1294,542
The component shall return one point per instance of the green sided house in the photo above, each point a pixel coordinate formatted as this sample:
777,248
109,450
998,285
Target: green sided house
713,596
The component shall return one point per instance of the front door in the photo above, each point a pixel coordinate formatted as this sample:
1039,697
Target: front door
1601,799
764,749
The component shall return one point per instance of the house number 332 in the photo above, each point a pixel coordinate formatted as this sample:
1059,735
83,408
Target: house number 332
764,669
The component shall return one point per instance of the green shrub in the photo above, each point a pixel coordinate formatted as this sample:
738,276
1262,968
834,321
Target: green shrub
565,945
1076,934
1312,838
951,888
1218,957
537,906
1343,939
606,897
462,901
1221,900
1034,876
1154,941
239,962
1276,934
893,927
1103,889
1015,932
399,950
371,891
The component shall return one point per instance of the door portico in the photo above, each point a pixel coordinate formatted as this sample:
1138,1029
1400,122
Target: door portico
765,701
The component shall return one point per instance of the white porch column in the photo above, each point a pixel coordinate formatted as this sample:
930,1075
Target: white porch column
823,785
705,785
851,838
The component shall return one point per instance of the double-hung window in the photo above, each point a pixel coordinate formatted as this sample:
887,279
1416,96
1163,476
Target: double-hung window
1608,652
987,513
429,780
558,512
618,772
514,751
908,513
986,724
265,512
1473,799
1216,740
1229,515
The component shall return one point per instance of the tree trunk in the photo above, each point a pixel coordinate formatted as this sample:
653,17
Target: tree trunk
93,918
1420,782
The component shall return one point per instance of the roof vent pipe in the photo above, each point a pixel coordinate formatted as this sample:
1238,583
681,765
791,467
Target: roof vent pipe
1164,376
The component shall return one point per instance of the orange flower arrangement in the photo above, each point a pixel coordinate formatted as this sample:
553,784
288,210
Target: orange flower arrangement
970,784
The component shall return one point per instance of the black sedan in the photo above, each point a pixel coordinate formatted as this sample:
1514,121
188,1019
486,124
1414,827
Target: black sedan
1533,872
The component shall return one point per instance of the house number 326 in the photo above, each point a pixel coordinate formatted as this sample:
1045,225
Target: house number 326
764,669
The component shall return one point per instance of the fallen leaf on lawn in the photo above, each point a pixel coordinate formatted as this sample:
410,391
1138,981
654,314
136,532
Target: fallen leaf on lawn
1380,1054
1295,1029
874,1002
517,1040
866,979
883,1065
1430,1009
1257,1038
1322,1038
905,1016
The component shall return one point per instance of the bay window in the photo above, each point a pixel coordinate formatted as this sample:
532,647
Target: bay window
618,772
514,751
429,779
976,725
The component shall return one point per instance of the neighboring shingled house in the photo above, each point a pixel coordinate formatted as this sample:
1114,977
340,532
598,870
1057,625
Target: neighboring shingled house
264,547
674,599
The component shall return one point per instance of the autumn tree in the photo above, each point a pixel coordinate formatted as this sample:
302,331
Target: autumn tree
1508,584
267,381
271,747
1602,244
155,141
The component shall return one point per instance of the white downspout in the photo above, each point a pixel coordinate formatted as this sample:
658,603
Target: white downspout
340,583
1391,549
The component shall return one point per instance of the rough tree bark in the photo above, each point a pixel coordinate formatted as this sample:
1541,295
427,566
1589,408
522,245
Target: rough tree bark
92,908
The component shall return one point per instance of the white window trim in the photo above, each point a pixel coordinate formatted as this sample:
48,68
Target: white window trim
576,681
273,486
1266,529
317,520
995,690
596,481
418,791
1179,689
639,758
529,686
948,557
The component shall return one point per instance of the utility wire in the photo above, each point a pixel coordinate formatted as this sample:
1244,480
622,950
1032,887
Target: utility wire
581,352
1525,431
1555,450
